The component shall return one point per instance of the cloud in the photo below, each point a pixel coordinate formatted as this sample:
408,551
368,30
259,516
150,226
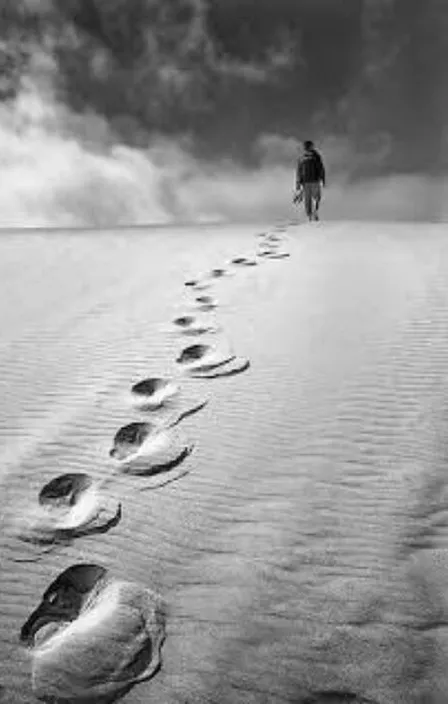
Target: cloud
65,170
130,156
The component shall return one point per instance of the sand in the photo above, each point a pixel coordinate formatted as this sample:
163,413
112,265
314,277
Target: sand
300,547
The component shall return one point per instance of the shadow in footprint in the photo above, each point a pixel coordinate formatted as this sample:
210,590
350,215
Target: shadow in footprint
236,366
129,438
154,469
86,611
152,393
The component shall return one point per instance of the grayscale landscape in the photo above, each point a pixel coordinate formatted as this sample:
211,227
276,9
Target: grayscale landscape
224,402
301,549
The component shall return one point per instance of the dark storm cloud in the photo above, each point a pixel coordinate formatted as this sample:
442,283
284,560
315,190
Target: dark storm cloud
200,92
223,72
400,87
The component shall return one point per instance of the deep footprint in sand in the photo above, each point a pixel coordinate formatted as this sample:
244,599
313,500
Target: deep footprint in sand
153,393
69,506
272,254
278,255
190,325
93,637
197,284
206,303
218,273
266,249
208,361
203,357
221,273
147,449
244,261
167,409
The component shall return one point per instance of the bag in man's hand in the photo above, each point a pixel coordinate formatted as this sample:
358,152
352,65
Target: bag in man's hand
298,196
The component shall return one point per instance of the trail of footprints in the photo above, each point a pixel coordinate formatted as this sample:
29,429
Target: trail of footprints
86,609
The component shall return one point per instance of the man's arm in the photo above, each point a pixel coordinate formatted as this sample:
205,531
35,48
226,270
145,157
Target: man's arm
322,170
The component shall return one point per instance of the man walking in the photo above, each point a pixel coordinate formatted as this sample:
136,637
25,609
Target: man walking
310,175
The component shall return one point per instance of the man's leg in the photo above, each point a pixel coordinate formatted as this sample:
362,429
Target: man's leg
317,195
308,198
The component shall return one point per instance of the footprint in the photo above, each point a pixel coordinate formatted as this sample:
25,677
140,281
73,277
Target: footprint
166,411
203,358
266,250
93,637
197,284
277,255
218,273
206,303
129,438
151,394
221,273
190,325
69,506
244,261
146,449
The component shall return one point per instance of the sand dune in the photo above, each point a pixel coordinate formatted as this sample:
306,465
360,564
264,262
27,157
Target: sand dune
300,545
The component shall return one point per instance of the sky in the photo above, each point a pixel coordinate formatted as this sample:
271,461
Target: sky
173,108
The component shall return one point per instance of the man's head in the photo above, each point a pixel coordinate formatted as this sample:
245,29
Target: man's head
308,144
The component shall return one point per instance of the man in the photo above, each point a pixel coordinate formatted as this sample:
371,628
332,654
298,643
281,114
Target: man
310,175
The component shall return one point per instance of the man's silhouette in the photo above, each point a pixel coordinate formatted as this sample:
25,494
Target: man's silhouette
310,175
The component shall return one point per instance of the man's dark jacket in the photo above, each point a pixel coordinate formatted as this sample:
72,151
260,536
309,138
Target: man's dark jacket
310,168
